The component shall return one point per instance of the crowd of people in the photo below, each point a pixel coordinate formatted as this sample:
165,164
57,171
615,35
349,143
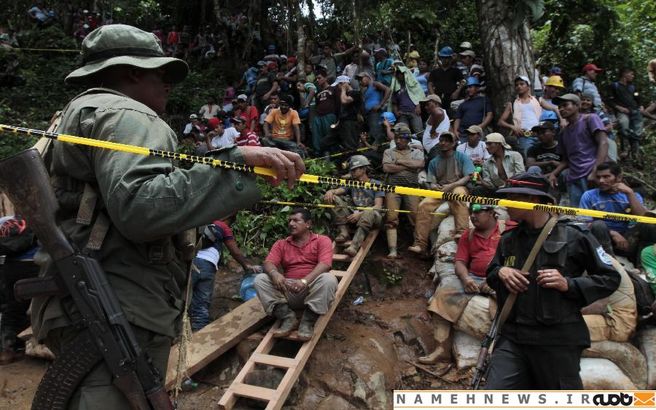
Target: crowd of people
422,124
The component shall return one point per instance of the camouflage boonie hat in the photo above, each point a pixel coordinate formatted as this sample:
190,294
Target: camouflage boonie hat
120,44
357,161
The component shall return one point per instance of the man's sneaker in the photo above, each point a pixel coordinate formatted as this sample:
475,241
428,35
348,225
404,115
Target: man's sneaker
417,249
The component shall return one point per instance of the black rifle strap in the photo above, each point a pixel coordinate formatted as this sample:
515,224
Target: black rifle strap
63,377
528,263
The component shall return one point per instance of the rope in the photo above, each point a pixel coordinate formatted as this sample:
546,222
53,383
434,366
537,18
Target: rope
315,179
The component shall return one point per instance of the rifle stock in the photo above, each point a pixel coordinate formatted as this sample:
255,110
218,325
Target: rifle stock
23,177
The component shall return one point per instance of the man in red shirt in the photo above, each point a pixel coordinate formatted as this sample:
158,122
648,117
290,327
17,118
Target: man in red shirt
305,259
476,249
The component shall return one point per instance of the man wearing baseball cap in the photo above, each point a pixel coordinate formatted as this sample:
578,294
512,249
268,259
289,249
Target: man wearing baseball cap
449,171
503,163
141,202
586,83
475,110
437,123
444,81
473,146
375,96
521,115
584,146
539,345
552,88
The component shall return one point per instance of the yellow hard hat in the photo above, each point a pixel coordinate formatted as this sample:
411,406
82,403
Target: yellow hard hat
555,81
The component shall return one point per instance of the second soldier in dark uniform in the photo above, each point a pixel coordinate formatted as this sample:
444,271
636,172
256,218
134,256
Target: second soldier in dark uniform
540,344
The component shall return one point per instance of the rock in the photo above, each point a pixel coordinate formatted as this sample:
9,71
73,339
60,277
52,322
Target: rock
625,356
447,251
333,402
379,399
475,319
465,349
646,340
360,390
602,374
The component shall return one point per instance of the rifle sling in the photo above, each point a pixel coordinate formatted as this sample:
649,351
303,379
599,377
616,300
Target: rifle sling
546,230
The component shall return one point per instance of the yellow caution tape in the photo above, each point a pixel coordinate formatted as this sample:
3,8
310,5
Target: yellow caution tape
359,208
315,179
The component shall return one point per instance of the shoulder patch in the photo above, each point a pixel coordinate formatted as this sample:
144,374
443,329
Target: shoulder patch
605,258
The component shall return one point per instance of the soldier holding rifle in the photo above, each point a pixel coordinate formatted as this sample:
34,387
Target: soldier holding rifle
124,209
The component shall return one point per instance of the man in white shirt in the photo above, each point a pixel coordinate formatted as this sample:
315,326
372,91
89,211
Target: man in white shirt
209,110
219,136
474,148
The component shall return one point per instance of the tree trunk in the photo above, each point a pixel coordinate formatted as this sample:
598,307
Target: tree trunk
507,50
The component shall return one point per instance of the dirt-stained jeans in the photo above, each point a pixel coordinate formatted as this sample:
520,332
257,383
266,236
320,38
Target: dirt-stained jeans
427,222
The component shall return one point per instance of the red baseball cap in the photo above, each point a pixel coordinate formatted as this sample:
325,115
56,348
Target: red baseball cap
214,122
593,67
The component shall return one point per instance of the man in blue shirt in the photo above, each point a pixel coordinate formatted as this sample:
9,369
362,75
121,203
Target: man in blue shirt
613,195
448,172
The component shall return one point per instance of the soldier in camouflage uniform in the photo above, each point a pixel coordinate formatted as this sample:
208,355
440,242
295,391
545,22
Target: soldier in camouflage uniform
140,202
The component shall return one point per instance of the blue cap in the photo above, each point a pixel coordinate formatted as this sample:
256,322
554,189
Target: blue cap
446,52
389,116
473,81
555,70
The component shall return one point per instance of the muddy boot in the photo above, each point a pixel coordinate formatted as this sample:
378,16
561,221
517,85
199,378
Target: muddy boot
306,328
391,244
356,242
288,321
442,352
343,234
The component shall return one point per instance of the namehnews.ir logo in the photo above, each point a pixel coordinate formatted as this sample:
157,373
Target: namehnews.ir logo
633,399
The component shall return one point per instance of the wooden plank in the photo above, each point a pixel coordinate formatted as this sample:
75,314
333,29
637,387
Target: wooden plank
275,361
341,257
218,337
253,392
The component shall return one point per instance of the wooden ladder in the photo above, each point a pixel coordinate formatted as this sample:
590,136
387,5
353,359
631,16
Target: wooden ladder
292,366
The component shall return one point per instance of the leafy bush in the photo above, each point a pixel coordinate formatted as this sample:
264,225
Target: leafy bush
257,229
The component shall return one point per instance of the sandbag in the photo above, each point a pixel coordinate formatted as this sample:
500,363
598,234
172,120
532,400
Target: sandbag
646,340
447,252
626,356
465,349
602,374
441,269
447,227
476,319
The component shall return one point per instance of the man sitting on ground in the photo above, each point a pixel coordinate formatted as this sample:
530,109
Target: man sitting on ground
448,172
218,136
613,195
544,156
502,164
345,196
473,147
476,249
305,259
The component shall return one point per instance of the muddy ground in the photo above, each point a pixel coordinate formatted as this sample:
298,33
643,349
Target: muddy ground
366,351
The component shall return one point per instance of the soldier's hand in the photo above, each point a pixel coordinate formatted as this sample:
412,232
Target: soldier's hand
515,280
287,165
552,279
354,217
329,197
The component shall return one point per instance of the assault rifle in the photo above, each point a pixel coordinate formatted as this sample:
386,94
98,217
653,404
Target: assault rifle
483,362
107,335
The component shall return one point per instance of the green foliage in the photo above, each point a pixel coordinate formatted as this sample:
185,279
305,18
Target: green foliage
256,230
